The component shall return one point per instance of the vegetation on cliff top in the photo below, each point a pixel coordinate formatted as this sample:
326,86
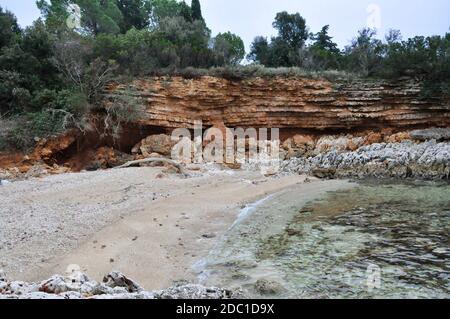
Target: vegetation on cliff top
52,73
426,59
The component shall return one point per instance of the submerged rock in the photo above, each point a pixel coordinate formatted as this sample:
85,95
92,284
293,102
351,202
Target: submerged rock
325,173
268,287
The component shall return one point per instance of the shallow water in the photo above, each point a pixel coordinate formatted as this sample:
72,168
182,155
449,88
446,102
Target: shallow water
372,241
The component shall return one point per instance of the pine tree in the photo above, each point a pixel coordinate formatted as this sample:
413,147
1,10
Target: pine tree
185,11
324,41
196,10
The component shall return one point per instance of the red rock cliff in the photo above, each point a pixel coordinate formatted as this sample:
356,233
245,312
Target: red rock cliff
286,103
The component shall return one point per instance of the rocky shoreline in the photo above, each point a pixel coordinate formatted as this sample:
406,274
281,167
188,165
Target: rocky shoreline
115,285
420,154
427,161
423,155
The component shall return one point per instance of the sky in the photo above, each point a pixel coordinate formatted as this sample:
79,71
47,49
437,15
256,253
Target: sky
250,18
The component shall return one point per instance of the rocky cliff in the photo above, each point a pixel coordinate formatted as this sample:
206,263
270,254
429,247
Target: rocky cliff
286,103
313,115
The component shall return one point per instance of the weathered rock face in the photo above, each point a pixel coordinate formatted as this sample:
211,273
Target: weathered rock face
361,112
429,160
286,103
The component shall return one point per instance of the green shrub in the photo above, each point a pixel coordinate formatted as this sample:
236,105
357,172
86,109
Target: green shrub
30,128
121,108
192,73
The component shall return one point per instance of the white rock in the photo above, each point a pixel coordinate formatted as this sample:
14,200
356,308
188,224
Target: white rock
429,160
116,286
117,279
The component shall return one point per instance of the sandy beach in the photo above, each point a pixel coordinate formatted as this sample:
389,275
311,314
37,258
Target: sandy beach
131,220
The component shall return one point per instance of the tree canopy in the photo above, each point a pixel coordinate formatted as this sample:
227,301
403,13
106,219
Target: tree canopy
230,47
291,29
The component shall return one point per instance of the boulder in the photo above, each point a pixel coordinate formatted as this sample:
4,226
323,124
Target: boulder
300,141
298,146
117,279
161,144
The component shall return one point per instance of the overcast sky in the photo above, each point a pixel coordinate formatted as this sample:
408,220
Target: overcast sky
249,18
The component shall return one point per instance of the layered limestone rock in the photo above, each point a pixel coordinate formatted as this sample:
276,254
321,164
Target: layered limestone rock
285,103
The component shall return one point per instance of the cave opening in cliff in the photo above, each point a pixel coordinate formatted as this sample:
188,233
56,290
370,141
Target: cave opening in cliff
80,153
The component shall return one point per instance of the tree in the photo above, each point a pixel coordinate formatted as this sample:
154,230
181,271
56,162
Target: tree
37,43
55,13
9,29
161,9
364,55
324,52
100,16
186,12
27,68
196,10
229,47
282,54
136,14
323,41
87,77
97,16
259,50
291,29
288,48
190,41
393,37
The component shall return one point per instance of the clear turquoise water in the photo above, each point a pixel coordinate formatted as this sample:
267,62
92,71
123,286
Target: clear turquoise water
372,241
